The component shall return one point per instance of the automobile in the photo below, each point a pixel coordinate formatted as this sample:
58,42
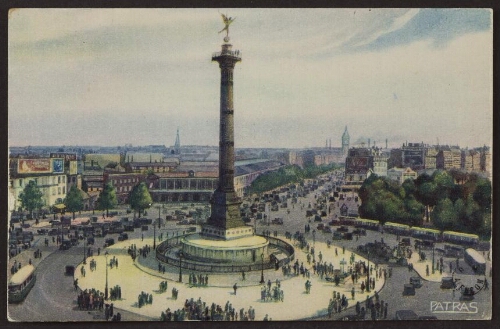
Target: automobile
277,221
182,222
122,237
359,231
320,226
109,242
337,236
65,245
317,218
347,236
327,229
334,222
69,270
90,240
343,229
447,282
144,228
129,228
416,281
404,242
408,290
405,315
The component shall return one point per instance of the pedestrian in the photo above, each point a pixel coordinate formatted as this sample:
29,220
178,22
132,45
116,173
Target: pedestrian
385,310
243,275
235,287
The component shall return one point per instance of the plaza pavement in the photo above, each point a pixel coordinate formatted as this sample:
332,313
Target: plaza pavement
143,276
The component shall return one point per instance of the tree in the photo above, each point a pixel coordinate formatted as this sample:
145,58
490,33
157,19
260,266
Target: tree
107,198
140,198
445,215
74,200
31,197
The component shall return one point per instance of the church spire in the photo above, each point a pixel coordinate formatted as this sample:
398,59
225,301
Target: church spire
177,143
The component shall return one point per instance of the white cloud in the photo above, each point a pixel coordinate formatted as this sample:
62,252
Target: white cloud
150,70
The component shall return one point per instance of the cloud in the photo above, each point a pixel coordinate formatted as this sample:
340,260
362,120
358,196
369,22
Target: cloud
305,74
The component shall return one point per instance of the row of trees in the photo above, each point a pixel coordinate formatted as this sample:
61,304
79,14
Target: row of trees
464,207
139,198
288,175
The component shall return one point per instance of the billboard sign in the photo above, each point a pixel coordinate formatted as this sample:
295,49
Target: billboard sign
58,166
65,156
73,167
37,166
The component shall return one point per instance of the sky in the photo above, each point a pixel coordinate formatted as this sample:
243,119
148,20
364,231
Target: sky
133,76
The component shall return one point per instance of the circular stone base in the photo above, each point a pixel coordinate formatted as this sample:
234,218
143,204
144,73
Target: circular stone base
242,250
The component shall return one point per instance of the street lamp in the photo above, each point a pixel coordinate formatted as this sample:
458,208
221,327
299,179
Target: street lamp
84,247
154,235
433,260
262,272
180,265
106,287
368,274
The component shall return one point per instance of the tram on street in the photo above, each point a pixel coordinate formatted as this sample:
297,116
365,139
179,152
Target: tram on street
368,224
475,260
426,233
21,283
396,228
460,238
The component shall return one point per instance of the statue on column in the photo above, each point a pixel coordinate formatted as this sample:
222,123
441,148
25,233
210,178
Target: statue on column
227,21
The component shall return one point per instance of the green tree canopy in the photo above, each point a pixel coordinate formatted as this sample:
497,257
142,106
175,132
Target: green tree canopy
140,198
74,200
107,198
31,197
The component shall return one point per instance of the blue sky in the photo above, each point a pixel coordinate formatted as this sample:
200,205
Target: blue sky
116,76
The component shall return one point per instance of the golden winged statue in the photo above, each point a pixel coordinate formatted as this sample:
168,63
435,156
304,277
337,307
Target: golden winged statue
227,21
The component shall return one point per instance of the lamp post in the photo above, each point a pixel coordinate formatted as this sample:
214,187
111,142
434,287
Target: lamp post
262,272
368,274
84,247
180,265
433,269
154,235
106,287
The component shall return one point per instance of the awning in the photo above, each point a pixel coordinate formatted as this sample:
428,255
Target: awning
60,206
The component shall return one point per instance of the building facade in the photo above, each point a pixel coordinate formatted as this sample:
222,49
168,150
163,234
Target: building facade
401,174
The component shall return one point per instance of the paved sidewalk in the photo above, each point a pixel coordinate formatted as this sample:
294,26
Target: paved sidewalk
135,277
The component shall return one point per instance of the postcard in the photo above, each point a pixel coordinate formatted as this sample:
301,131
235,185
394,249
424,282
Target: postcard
250,164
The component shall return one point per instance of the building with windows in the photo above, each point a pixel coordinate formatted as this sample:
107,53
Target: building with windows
449,158
123,183
52,186
401,174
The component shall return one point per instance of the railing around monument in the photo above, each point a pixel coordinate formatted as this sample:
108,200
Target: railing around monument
171,243
233,53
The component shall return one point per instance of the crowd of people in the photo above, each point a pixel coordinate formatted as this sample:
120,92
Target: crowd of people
272,293
337,303
198,280
199,310
144,298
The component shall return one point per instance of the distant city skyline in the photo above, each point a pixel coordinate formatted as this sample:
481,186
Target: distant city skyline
110,77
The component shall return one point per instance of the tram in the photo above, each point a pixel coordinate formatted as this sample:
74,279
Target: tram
368,224
396,228
475,260
426,233
21,283
460,238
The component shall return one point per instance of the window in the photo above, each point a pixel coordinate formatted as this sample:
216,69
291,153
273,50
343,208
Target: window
64,189
64,179
53,191
58,190
58,179
20,183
